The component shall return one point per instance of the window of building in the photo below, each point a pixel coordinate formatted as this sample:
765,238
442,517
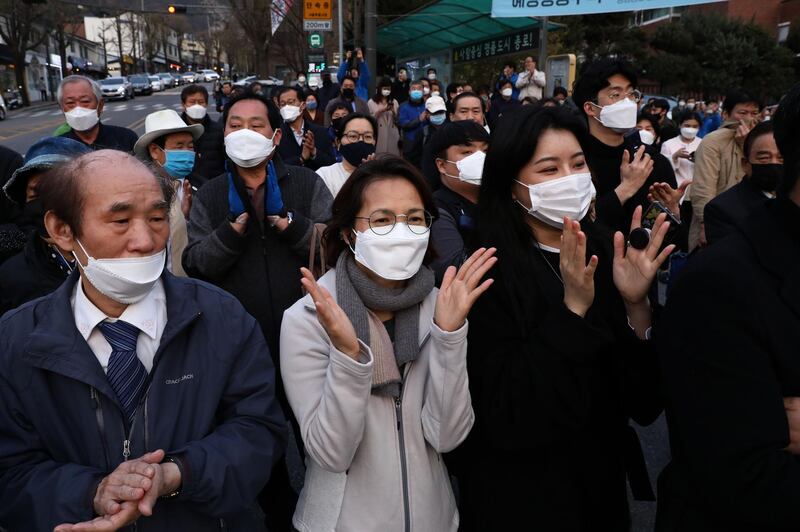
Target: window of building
783,31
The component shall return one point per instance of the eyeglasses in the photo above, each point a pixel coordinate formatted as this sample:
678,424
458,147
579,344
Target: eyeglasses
381,222
633,95
355,136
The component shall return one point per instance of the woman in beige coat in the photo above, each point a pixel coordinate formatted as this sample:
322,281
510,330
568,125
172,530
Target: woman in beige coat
385,108
373,360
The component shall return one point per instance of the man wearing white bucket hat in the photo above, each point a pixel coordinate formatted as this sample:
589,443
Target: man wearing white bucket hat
169,143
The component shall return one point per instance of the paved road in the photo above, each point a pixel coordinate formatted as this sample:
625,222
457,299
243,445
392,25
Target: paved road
23,127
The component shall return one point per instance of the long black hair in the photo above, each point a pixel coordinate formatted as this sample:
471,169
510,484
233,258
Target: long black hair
500,220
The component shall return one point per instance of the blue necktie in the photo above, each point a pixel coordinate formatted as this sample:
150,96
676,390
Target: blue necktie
126,373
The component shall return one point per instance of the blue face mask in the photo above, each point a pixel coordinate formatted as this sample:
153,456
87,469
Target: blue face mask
416,95
311,105
179,163
438,119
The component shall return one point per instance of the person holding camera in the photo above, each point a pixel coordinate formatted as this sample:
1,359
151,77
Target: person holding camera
622,166
559,357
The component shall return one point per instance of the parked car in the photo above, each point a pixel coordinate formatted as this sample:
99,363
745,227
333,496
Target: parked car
167,80
3,109
189,77
141,84
117,87
209,75
246,81
155,83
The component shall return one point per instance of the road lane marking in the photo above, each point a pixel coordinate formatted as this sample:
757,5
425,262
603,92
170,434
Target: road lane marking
48,125
39,113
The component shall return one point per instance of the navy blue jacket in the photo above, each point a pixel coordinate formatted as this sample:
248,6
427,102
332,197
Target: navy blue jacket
210,403
291,151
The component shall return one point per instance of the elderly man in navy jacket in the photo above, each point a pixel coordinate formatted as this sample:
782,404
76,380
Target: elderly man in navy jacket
121,400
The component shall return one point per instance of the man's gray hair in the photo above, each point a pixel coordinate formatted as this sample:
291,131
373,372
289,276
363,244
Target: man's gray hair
75,78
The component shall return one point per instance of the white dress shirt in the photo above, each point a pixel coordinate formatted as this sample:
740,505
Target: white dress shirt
149,315
334,177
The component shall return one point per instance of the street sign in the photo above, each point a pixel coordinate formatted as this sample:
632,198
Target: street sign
315,40
318,25
317,9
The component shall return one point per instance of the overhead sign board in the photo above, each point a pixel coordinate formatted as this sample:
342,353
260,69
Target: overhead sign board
318,25
317,9
552,8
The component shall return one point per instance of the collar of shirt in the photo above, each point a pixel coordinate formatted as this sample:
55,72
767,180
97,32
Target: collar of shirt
143,314
298,135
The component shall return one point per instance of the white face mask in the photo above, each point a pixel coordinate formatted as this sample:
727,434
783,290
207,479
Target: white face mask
426,90
289,113
690,106
507,92
82,119
301,79
470,168
386,92
647,137
619,117
196,111
435,93
431,76
566,196
396,256
126,281
689,133
247,149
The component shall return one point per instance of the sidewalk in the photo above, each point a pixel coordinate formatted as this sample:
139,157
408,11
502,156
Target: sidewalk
34,105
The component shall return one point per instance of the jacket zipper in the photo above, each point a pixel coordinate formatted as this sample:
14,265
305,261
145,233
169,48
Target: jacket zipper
398,408
98,414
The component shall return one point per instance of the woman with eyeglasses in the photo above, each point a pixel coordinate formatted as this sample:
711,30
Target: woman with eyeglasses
559,357
373,360
356,139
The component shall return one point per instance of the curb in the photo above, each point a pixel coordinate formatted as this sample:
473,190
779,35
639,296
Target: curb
34,106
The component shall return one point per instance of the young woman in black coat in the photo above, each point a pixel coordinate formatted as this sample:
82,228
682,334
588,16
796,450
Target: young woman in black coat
558,358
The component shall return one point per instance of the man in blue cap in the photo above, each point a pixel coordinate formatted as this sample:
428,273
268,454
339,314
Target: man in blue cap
41,266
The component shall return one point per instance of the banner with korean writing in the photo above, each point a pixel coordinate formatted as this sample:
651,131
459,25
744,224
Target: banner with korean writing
551,8
506,44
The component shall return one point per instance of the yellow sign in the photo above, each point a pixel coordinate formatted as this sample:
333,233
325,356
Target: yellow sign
318,9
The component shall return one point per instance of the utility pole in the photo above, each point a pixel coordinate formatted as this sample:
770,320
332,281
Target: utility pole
371,39
543,45
341,29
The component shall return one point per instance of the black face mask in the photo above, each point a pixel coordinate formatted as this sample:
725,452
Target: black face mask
336,123
355,152
33,217
767,177
348,93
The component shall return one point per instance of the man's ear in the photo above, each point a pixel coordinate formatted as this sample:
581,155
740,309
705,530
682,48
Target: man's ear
59,231
100,105
276,140
440,166
747,167
590,109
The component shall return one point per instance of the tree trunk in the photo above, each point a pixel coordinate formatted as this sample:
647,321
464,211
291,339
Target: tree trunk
123,70
62,52
358,24
22,79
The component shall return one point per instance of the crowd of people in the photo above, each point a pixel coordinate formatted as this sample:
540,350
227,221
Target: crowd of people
456,301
